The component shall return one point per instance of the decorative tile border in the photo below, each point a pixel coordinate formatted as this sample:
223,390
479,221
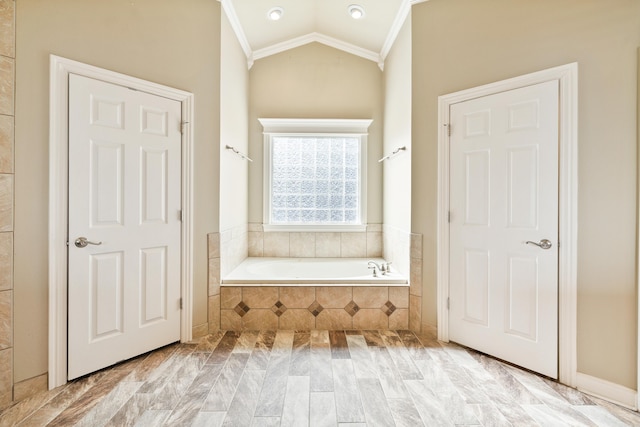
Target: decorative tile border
327,307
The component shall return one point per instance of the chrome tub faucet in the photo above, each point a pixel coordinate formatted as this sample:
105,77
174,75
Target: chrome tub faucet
383,268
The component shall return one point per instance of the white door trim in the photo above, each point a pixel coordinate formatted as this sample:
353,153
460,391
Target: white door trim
567,76
60,68
638,243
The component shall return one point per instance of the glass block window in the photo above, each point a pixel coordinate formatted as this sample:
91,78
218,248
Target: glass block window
315,180
315,174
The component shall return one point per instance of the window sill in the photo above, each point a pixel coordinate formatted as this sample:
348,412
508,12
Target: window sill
315,228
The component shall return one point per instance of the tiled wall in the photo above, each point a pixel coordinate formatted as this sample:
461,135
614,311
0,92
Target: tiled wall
226,251
405,250
397,245
303,308
233,248
315,245
7,84
415,280
213,306
237,308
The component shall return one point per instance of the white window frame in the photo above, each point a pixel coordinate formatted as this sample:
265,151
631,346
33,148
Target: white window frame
315,127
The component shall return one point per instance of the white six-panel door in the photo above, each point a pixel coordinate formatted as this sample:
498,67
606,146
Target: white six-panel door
503,210
124,199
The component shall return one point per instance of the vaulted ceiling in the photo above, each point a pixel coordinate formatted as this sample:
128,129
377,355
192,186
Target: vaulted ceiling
324,21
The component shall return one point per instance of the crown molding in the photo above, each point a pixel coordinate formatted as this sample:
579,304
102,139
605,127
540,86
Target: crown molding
230,11
379,58
319,38
396,26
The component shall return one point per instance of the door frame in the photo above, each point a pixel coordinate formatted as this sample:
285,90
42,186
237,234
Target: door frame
60,68
567,76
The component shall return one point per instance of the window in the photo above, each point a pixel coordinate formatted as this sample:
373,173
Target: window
315,174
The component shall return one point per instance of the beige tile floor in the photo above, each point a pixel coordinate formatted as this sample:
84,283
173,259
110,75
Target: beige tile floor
317,378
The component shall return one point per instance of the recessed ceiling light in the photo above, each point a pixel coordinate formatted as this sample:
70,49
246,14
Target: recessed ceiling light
275,13
356,11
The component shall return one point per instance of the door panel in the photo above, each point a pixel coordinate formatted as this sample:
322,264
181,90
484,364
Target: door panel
106,179
124,198
153,283
106,287
522,191
522,297
477,179
503,193
476,287
154,186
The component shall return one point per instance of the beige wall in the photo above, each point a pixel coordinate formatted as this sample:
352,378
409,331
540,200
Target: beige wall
459,44
316,81
172,42
397,132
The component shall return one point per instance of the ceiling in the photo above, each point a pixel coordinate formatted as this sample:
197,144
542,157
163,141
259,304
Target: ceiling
323,21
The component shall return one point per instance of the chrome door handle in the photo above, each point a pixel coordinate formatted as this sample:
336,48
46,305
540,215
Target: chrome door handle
82,242
543,244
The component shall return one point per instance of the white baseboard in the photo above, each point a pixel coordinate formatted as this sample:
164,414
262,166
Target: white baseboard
606,390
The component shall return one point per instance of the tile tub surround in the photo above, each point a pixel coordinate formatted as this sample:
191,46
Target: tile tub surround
315,244
233,248
415,280
405,250
321,307
226,250
213,302
221,313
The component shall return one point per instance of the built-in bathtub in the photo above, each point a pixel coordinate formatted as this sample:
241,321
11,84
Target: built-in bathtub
313,293
311,272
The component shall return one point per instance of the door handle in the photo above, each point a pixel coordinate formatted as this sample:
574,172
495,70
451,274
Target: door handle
82,242
543,244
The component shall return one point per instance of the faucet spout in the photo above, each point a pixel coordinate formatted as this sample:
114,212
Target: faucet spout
375,266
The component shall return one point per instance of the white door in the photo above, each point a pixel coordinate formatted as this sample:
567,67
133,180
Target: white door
124,199
504,226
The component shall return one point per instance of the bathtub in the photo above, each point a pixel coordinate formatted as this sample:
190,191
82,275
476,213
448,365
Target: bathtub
310,272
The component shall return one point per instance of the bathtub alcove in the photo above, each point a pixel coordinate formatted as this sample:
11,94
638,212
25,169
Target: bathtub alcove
313,293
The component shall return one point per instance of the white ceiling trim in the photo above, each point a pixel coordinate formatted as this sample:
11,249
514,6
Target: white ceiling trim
237,29
398,22
320,38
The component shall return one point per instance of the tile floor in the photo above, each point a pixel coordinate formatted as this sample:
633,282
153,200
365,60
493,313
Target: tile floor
317,378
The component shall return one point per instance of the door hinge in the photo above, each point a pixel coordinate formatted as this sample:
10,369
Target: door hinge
182,125
449,216
448,303
180,302
179,215
448,126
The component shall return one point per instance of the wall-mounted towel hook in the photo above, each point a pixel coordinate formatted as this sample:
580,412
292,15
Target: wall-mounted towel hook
396,151
244,156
